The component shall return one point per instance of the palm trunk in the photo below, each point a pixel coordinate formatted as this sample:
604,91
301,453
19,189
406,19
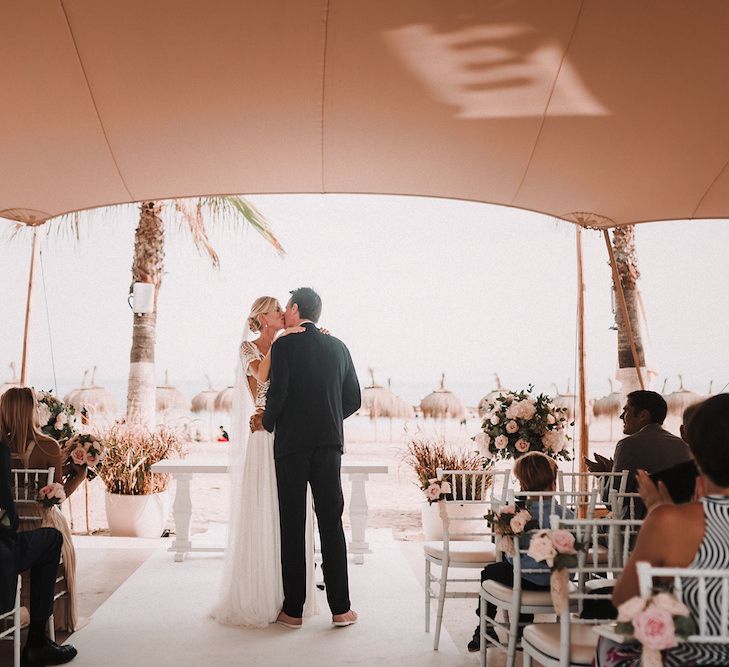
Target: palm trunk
148,266
626,259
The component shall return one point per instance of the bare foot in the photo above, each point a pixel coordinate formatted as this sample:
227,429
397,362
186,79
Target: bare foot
342,620
289,621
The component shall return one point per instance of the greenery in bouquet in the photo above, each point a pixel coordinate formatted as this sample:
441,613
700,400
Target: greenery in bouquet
56,418
515,423
426,454
130,451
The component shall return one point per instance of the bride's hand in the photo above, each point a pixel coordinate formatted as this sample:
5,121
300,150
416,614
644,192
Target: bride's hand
291,330
326,332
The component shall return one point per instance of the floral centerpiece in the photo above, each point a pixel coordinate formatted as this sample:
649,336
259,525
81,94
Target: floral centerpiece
86,451
508,522
559,550
657,623
515,423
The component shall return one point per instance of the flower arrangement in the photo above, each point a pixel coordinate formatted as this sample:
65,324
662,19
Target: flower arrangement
51,494
129,453
507,522
425,455
56,418
515,423
559,550
656,622
85,450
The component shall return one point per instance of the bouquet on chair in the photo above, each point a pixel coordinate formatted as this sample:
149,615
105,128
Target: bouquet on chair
656,622
85,450
508,522
51,494
559,550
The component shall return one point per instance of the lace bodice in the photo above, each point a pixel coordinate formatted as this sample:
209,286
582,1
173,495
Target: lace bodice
249,353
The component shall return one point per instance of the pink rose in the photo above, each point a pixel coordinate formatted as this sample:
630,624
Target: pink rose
46,491
78,456
91,460
433,492
563,541
494,419
525,515
653,627
553,441
671,604
522,445
501,441
507,509
542,549
482,440
628,610
518,523
512,426
551,419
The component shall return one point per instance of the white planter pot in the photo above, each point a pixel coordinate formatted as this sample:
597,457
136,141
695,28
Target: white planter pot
433,526
137,516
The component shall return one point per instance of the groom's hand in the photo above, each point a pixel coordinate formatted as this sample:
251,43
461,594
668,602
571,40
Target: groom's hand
256,422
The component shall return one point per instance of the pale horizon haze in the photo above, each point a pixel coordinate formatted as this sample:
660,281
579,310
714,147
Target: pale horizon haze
414,286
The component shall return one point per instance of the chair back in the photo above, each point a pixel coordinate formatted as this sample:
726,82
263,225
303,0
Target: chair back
588,481
26,482
473,493
692,587
574,501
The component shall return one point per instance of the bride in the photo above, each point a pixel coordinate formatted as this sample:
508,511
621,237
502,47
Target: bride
251,592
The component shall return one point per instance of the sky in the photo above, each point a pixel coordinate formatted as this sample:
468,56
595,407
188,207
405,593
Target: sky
414,286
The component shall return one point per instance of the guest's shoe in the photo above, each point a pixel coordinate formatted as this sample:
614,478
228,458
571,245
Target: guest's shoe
47,653
290,622
475,643
343,620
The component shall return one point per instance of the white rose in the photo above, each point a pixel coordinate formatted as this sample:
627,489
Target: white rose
542,549
494,419
550,418
517,523
44,414
501,441
630,608
553,441
512,426
482,440
445,487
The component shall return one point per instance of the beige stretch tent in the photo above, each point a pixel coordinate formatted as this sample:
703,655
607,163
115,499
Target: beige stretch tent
620,108
603,113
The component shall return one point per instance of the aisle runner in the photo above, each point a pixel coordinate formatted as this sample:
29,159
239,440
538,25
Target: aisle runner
159,617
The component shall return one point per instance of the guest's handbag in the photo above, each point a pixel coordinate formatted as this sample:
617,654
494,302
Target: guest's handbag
680,480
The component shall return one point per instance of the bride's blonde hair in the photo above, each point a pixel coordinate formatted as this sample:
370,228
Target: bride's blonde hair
19,421
261,305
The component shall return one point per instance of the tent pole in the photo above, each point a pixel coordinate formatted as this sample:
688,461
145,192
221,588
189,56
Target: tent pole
26,329
582,382
623,307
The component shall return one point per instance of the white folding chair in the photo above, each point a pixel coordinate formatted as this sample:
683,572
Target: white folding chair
602,482
692,587
459,549
10,626
571,641
513,600
26,484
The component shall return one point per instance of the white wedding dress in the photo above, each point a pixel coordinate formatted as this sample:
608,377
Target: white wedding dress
251,592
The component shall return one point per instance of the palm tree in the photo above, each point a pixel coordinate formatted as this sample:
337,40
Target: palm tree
626,259
148,267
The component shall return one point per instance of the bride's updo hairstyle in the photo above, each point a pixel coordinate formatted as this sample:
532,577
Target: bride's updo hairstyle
261,305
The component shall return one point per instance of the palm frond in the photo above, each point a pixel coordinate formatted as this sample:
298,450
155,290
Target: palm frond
191,218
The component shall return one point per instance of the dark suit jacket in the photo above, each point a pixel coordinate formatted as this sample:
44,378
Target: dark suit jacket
8,572
314,388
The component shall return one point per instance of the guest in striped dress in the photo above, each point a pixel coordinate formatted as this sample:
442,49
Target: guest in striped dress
694,535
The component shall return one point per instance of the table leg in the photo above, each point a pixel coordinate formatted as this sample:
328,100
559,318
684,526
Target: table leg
182,513
358,517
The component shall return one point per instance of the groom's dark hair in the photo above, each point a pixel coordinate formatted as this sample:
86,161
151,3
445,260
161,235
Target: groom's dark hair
308,301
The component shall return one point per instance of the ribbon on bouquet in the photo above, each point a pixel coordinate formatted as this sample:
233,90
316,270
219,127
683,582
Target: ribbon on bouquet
559,586
651,657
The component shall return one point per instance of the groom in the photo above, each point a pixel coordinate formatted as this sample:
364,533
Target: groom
313,389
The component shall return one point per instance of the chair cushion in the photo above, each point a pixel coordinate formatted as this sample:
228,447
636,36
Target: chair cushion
545,638
506,594
463,551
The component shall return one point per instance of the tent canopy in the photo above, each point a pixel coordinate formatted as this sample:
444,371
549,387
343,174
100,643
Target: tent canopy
619,109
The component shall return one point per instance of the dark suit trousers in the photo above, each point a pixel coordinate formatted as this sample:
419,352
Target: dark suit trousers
320,467
40,552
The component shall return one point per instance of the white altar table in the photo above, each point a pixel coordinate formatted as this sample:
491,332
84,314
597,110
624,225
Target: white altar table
182,472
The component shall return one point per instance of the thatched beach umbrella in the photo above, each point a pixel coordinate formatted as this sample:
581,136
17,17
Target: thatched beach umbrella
204,401
224,400
442,403
609,406
96,400
377,401
71,395
489,398
679,400
566,400
169,398
12,382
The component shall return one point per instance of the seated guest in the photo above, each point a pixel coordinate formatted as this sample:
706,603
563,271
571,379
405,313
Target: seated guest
692,535
31,448
535,472
38,551
648,446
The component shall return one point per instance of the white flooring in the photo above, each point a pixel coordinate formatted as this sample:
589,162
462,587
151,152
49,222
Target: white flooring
158,616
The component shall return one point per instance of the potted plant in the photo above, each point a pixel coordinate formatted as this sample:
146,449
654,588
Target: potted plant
137,500
425,455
